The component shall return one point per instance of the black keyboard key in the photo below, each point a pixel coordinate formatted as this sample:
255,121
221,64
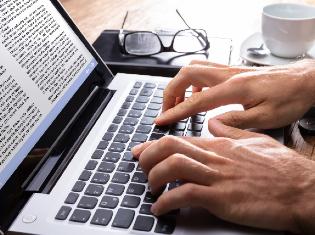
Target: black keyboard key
202,114
133,91
157,100
100,178
126,105
134,113
197,119
142,99
91,165
129,98
143,223
145,209
131,121
158,93
151,113
149,197
137,85
63,213
130,201
149,85
193,133
147,121
184,120
78,186
128,157
138,106
115,189
123,218
102,145
176,133
109,202
135,189
97,154
80,216
122,112
146,92
126,129
174,184
117,147
139,168
112,128
106,167
121,178
85,175
131,145
180,126
161,86
161,129
71,198
143,129
195,127
139,177
139,138
154,106
126,167
102,217
111,157
108,136
165,224
94,190
117,120
121,138
87,202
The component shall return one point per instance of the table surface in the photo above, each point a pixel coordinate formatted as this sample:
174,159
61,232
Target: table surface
221,18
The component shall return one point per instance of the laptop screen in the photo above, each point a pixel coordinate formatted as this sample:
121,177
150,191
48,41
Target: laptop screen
42,65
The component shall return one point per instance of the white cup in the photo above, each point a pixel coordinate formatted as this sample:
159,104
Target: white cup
288,30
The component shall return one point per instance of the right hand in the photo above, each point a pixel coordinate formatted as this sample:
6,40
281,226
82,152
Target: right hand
271,96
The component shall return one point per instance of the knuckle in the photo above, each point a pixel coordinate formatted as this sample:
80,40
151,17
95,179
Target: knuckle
168,141
190,192
176,160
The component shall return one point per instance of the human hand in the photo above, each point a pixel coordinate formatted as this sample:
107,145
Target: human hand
243,177
271,96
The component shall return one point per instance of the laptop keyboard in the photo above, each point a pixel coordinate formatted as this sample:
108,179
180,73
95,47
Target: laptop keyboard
112,190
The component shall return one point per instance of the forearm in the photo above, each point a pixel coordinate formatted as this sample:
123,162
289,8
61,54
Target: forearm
308,72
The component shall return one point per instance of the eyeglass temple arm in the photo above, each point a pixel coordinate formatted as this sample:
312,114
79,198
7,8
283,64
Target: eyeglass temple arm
121,35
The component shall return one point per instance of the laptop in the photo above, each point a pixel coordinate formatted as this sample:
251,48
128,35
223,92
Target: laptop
57,92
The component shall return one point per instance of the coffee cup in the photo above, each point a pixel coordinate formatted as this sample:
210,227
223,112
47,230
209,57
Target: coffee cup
288,30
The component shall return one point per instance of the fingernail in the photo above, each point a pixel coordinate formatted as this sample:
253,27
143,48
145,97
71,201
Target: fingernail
135,150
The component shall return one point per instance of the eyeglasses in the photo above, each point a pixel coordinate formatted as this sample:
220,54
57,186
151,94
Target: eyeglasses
145,43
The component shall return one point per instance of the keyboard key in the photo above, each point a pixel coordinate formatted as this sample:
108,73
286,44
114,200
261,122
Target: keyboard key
139,168
136,189
202,114
142,99
102,217
129,98
111,157
174,184
161,86
133,91
143,129
80,216
158,93
126,167
97,154
102,145
126,105
156,136
115,189
197,119
117,147
149,197
100,178
154,106
87,202
138,106
139,138
108,136
78,186
143,223
85,175
195,127
123,218
139,177
122,112
193,133
131,121
71,198
176,133
106,167
180,126
91,165
161,129
117,120
137,85
94,190
146,92
63,213
149,85
151,113
112,128
131,145
165,224
121,138
121,178
134,113
145,209
109,202
128,157
130,201
126,129
157,100
147,121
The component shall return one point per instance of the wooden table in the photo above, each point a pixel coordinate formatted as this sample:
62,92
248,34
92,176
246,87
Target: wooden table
235,19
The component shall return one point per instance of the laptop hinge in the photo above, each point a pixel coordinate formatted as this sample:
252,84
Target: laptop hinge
52,165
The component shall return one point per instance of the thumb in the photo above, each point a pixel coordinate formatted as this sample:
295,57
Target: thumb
218,129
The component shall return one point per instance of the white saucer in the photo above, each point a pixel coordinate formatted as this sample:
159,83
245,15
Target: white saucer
255,40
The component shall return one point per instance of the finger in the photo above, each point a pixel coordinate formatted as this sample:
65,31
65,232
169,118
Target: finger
196,89
216,96
208,63
180,167
217,128
138,149
186,195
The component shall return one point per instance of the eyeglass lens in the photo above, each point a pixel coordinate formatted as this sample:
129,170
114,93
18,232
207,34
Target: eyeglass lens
142,43
189,41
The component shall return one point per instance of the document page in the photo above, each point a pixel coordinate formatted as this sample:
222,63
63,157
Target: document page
42,64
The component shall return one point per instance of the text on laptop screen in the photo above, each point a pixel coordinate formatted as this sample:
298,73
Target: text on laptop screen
42,64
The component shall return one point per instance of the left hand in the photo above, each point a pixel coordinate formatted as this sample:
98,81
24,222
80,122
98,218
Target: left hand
243,177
